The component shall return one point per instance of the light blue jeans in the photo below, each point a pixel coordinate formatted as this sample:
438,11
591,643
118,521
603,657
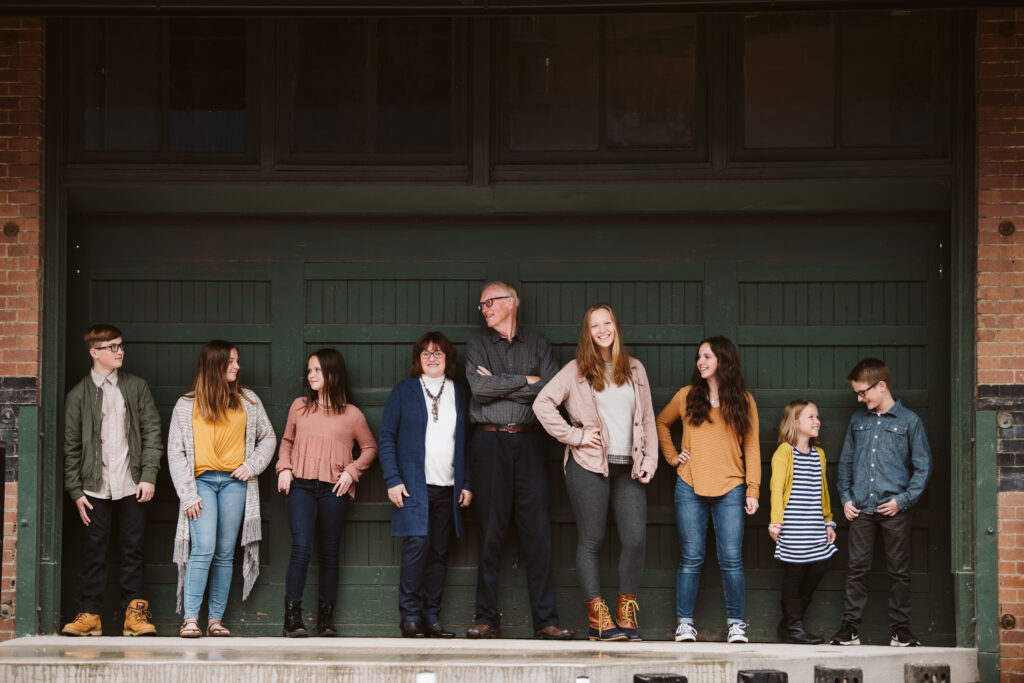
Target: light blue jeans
692,514
213,538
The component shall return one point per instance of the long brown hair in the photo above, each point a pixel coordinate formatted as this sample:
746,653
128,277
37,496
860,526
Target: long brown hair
213,394
335,374
732,392
589,363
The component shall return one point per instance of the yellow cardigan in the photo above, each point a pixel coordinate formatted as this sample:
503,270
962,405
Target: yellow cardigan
782,483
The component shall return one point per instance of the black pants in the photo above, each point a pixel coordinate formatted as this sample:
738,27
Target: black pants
510,479
799,581
425,561
131,518
896,540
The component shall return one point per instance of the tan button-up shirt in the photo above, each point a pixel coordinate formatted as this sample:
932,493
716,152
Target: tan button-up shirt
117,476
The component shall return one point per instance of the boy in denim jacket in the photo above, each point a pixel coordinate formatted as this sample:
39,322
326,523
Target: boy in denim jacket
883,469
112,453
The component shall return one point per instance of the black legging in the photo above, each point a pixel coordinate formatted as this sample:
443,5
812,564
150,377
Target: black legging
801,580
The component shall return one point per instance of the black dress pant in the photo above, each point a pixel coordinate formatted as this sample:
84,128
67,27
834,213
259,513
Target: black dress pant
131,520
896,540
510,481
425,560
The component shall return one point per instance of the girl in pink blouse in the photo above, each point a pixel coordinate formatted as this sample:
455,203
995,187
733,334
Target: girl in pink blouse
315,468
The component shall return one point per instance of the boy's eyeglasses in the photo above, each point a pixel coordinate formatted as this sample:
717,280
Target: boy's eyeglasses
863,392
487,303
114,348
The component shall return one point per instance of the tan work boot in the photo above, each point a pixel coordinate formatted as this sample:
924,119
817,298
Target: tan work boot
136,619
85,624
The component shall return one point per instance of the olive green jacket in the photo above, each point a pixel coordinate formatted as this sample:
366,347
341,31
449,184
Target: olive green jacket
83,451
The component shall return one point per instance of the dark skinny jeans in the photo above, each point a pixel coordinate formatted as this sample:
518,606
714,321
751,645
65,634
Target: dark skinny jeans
590,495
314,507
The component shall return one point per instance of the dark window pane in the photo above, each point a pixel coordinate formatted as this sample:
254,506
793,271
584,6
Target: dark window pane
329,77
206,92
651,81
414,85
553,83
888,76
788,81
122,85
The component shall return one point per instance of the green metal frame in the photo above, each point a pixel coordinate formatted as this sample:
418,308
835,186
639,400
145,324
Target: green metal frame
986,546
28,528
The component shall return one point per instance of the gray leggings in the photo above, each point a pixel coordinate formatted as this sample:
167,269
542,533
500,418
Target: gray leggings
590,494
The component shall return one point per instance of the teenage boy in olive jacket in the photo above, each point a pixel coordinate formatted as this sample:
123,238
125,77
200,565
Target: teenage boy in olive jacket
112,453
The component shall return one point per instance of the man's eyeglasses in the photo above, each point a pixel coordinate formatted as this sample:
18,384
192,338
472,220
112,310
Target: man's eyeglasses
487,303
114,348
863,392
431,354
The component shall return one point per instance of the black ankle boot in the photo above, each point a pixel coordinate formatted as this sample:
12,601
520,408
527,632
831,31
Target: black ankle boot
793,615
325,620
293,627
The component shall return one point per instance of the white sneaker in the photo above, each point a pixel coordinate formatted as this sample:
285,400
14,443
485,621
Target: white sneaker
686,633
737,633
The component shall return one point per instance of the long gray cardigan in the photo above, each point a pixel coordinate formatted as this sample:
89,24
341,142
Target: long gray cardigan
260,443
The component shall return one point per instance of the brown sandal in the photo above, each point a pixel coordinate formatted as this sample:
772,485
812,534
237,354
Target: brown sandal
216,629
190,629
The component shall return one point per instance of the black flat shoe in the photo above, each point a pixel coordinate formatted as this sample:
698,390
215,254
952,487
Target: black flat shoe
437,631
412,629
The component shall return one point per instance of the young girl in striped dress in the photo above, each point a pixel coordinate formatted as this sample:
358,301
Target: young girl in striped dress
801,516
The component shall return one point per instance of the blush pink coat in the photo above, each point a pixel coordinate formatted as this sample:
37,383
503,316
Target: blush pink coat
569,388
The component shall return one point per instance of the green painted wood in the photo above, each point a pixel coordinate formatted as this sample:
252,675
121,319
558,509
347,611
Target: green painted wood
674,281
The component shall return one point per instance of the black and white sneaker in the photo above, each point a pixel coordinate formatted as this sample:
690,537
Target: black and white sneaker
902,637
846,635
737,633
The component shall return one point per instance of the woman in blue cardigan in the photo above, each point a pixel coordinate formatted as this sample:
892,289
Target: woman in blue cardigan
422,457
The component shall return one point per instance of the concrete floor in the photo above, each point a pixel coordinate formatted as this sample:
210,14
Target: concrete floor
54,659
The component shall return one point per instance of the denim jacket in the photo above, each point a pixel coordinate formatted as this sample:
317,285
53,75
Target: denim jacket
884,456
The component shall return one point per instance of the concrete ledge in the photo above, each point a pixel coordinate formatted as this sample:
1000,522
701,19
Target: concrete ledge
54,659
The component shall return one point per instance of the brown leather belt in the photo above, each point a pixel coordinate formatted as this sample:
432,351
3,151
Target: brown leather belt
510,428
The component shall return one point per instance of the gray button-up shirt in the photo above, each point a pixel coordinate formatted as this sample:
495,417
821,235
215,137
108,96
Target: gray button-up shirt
884,456
506,397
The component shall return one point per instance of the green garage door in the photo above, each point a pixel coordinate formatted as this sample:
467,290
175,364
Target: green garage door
804,297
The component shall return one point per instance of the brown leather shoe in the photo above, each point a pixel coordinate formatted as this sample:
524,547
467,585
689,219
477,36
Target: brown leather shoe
136,619
553,632
85,624
482,631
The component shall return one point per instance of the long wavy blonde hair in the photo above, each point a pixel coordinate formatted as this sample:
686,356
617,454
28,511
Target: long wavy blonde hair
589,363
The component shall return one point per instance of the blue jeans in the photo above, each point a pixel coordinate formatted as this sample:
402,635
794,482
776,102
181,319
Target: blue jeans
425,561
213,538
692,513
313,507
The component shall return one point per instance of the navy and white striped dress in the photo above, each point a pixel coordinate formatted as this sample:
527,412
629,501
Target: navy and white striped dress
803,538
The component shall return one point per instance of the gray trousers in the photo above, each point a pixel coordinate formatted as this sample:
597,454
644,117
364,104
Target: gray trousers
590,494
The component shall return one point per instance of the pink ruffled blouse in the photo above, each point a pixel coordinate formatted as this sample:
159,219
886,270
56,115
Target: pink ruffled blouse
318,444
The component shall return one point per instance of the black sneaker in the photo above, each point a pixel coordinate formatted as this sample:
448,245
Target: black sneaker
846,635
902,637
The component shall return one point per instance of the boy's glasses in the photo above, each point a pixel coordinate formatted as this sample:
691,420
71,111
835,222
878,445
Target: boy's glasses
114,348
863,392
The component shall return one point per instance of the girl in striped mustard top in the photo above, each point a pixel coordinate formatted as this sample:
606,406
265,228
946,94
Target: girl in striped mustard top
801,516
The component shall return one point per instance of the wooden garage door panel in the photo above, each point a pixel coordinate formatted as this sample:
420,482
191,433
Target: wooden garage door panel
803,312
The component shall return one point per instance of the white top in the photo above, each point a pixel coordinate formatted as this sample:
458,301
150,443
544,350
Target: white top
439,442
117,475
616,406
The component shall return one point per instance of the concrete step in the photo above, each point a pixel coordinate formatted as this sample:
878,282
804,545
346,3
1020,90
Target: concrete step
55,659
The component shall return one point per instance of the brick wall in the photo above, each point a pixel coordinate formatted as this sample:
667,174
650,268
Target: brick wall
1000,291
21,150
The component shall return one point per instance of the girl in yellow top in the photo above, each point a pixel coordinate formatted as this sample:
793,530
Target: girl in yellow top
719,477
219,441
802,525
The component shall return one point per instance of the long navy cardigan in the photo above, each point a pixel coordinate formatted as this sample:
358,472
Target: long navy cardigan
402,453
